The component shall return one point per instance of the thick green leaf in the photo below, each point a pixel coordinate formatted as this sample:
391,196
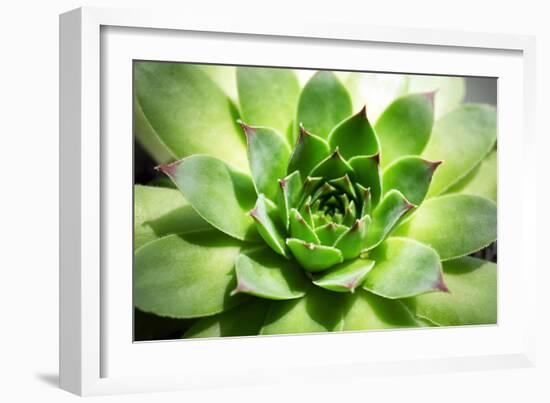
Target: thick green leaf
149,139
449,91
481,181
314,257
354,239
308,152
262,273
225,77
188,111
454,225
472,299
386,216
332,167
161,211
268,96
307,213
405,126
221,195
367,173
269,224
345,277
404,268
367,311
187,275
354,136
318,311
288,196
244,320
300,229
329,233
411,176
461,139
324,102
268,155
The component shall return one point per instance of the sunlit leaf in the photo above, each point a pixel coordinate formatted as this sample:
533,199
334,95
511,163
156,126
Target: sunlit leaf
186,276
454,225
220,194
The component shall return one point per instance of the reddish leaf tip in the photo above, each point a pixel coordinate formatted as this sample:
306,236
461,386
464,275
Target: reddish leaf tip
239,289
357,224
169,169
254,213
309,245
303,131
299,217
248,130
430,96
282,183
441,286
336,153
351,286
363,112
376,158
434,164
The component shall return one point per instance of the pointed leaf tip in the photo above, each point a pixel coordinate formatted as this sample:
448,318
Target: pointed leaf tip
441,286
248,130
336,153
376,158
409,205
169,169
434,165
430,96
358,223
239,289
363,111
309,245
303,131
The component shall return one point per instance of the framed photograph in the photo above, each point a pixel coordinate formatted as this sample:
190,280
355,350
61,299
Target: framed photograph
236,200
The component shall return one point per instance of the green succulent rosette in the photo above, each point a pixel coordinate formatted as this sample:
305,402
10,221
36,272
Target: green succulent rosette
292,213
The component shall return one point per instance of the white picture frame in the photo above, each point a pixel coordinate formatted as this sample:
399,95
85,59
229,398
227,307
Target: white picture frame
96,354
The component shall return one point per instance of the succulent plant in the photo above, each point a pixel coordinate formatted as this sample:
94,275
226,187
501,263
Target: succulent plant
292,213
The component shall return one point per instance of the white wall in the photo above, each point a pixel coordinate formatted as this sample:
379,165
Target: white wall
29,186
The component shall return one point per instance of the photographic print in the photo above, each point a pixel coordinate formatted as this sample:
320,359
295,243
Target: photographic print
278,201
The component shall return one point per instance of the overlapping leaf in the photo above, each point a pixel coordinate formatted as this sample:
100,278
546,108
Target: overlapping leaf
324,102
341,245
186,276
188,112
220,194
454,225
